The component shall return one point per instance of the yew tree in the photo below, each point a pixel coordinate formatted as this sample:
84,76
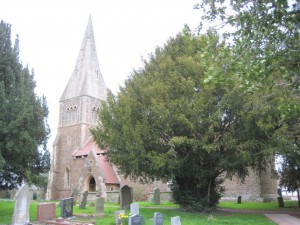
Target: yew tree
23,120
267,33
170,122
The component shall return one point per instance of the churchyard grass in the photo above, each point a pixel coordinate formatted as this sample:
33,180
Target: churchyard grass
147,210
288,205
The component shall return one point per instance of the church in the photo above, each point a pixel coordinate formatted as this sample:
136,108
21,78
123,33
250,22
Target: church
78,164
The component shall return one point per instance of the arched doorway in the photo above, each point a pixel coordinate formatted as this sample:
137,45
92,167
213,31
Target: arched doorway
92,184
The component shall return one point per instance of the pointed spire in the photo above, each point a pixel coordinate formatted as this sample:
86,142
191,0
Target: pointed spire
86,78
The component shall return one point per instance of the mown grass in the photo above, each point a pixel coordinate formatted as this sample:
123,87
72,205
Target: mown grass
288,205
167,209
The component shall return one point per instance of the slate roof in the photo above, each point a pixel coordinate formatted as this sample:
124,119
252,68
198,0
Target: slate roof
86,79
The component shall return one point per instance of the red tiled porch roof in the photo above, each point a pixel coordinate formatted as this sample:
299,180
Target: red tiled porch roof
108,170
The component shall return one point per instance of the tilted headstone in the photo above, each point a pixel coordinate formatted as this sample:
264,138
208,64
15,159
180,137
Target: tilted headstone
135,220
66,207
158,219
99,206
156,199
135,208
46,211
117,213
175,220
83,200
125,197
21,212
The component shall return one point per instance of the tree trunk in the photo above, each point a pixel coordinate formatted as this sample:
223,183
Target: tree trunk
208,191
209,184
298,197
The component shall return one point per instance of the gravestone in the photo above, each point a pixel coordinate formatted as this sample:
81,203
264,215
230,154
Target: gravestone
83,200
135,220
66,207
99,206
45,211
158,219
175,220
125,197
21,212
74,195
117,213
239,200
135,208
156,199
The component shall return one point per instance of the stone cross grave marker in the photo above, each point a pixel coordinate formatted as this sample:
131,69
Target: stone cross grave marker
117,213
156,199
158,219
99,202
66,207
45,211
83,200
135,208
135,220
21,212
175,220
125,197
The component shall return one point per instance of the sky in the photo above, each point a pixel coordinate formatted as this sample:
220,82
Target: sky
51,32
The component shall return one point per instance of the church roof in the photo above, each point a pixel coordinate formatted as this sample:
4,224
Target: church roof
108,170
86,78
87,148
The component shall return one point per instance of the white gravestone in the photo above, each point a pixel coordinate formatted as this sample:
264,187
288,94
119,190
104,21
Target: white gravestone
175,220
135,208
21,212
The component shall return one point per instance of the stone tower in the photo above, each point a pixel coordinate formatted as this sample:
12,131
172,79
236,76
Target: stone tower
78,109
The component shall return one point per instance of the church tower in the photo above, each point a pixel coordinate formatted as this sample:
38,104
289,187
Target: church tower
78,109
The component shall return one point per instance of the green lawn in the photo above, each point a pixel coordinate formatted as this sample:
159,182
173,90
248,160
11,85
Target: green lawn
288,205
167,209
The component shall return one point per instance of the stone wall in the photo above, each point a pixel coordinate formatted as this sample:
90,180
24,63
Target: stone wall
112,196
165,196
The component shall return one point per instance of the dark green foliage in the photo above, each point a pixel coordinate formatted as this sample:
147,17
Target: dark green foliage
266,37
23,120
288,137
267,33
171,122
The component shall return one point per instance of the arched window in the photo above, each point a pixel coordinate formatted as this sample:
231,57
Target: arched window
92,185
67,177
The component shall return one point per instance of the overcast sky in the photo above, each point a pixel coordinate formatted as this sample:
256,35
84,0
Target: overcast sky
51,32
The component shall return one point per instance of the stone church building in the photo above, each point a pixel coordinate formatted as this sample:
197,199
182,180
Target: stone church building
79,164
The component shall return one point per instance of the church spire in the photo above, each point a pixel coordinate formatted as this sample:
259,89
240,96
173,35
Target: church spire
86,78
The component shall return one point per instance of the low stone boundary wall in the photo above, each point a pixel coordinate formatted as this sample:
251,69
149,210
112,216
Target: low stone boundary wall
165,196
113,196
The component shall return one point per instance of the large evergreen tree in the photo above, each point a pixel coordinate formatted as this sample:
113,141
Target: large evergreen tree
23,120
268,32
171,122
